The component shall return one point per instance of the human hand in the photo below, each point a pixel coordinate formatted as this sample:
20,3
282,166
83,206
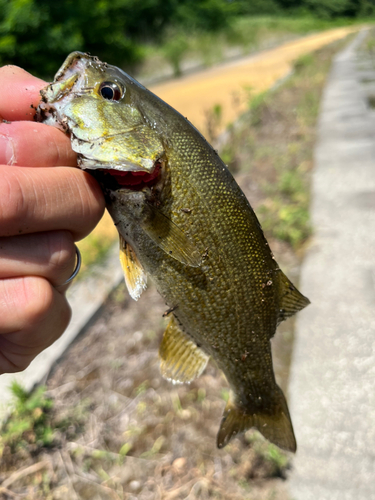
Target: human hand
43,210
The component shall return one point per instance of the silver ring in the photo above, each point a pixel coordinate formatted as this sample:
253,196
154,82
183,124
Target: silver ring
76,270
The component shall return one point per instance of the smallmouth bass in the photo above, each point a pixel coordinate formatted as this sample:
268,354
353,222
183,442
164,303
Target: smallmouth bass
184,221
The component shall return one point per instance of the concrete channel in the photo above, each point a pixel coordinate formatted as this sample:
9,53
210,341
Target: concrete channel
332,383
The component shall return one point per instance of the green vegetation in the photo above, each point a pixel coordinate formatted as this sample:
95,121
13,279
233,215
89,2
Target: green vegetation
274,143
34,34
30,420
34,425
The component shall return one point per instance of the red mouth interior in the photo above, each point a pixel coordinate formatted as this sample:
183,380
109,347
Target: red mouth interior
136,180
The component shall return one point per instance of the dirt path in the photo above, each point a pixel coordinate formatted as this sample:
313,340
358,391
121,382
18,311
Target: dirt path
226,84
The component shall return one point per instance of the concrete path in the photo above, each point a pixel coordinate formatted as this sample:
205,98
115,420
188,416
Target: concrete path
332,389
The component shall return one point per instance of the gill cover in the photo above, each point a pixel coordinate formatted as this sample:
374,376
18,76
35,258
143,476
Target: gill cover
109,131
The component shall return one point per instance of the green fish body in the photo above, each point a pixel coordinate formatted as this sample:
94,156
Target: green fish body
183,221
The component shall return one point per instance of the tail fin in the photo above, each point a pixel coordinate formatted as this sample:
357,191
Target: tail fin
275,425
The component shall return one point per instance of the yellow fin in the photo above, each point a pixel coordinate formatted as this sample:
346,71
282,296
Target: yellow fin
275,425
291,300
182,360
170,238
135,277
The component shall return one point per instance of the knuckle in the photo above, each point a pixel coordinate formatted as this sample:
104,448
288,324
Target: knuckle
45,311
13,205
37,296
62,252
35,315
93,203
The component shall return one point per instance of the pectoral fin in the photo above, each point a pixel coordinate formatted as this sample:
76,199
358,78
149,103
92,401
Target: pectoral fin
290,299
135,277
181,360
170,238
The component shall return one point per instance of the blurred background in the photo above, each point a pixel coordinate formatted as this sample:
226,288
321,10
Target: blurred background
250,76
37,34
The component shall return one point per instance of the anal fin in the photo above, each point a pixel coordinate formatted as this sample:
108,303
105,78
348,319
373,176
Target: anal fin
181,360
290,299
275,425
135,276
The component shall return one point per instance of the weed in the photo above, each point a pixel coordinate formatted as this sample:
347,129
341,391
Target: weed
287,222
213,122
228,155
156,447
201,395
276,457
303,61
176,402
257,105
30,422
142,388
124,450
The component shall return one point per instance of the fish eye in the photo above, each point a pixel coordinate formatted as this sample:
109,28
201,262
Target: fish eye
110,91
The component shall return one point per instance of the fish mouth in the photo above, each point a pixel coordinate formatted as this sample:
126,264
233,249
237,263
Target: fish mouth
133,180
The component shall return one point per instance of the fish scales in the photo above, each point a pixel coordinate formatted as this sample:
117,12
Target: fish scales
183,221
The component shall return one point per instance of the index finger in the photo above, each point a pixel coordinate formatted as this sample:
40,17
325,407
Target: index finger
19,93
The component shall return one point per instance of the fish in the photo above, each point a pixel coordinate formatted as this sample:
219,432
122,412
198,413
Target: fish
184,222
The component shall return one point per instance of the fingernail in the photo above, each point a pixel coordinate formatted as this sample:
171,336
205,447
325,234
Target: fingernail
7,150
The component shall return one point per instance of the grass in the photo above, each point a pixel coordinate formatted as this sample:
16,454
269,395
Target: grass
30,422
35,425
274,142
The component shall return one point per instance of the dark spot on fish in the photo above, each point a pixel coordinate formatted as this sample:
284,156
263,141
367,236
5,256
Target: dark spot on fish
170,252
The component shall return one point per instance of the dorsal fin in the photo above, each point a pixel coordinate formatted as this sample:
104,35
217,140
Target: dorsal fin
135,276
290,299
182,360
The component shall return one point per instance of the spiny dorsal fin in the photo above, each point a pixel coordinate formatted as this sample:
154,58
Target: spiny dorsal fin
135,276
290,299
170,238
275,424
182,360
